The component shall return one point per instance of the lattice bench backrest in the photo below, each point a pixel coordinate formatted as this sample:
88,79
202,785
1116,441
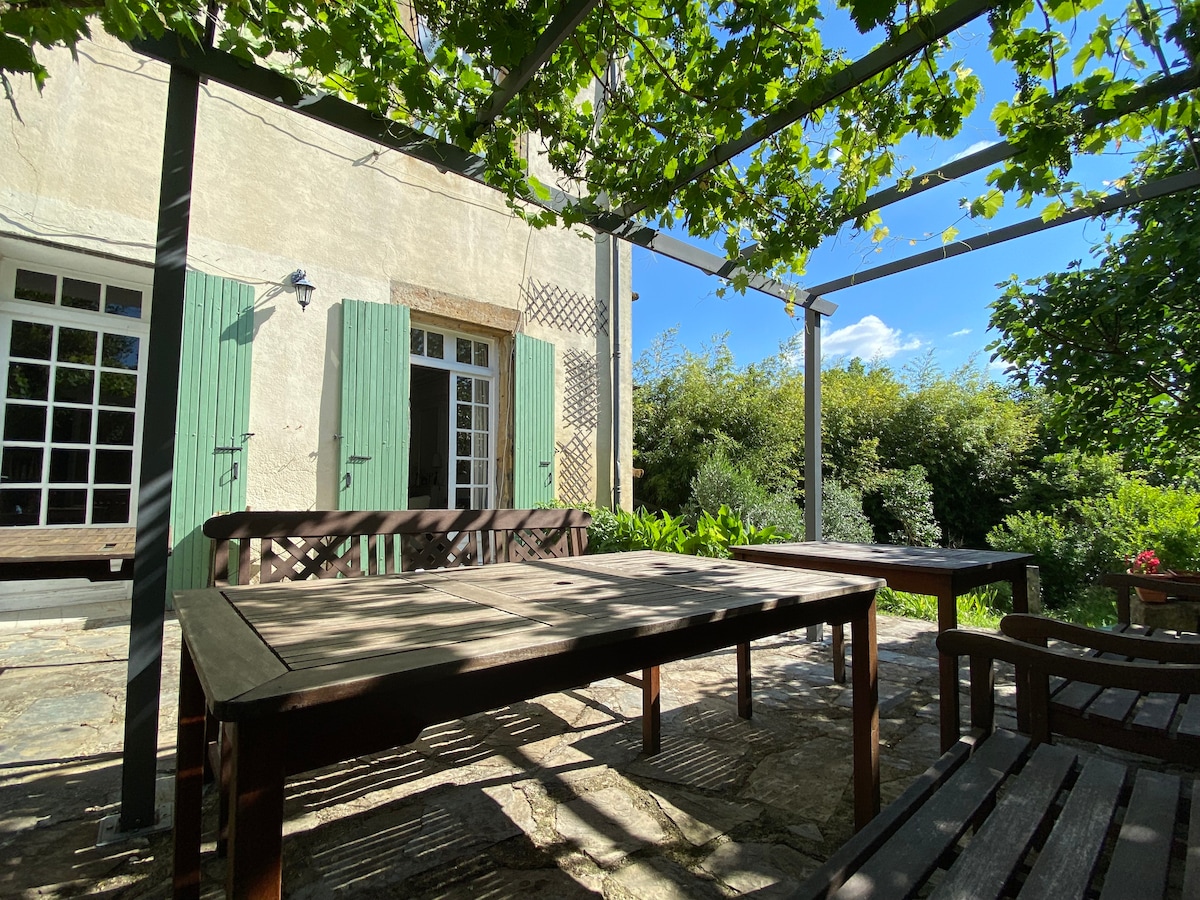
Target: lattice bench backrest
293,546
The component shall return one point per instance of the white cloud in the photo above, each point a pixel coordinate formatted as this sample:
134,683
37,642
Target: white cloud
998,367
962,332
974,148
868,338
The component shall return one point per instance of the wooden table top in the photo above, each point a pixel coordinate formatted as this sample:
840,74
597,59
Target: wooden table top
26,544
282,646
893,557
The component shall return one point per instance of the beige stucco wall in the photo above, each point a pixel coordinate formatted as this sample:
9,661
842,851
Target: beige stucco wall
275,191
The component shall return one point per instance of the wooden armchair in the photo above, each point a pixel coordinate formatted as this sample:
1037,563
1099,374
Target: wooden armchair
1159,721
1002,814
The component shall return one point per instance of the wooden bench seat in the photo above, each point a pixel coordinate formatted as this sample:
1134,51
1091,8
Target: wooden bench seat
1004,814
1001,817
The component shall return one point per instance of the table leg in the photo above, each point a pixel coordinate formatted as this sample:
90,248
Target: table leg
865,684
651,711
189,779
1020,604
948,672
745,705
224,777
839,653
255,869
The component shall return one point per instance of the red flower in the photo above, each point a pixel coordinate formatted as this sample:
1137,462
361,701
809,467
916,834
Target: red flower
1145,563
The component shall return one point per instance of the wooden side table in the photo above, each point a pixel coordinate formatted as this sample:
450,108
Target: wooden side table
943,573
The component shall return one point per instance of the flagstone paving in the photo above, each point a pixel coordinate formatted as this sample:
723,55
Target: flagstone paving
549,798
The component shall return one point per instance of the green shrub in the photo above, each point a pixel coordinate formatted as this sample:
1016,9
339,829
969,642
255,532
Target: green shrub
714,535
842,516
1077,543
974,610
1061,549
720,483
1140,516
1093,606
1062,479
603,530
901,506
616,531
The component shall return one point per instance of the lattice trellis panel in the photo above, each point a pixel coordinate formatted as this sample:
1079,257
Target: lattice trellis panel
575,469
581,390
556,307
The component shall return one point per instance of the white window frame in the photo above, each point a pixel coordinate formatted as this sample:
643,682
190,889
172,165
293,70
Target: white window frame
490,374
67,265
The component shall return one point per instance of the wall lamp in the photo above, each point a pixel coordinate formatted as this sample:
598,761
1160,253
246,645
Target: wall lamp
304,288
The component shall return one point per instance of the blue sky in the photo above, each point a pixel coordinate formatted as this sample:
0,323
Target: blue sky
940,308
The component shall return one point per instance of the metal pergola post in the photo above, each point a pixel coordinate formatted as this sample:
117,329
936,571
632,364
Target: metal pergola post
143,683
813,499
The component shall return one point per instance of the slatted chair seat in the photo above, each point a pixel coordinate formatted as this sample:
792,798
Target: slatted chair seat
1164,724
1004,814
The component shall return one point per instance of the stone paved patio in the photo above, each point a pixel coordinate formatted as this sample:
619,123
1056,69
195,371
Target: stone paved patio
545,799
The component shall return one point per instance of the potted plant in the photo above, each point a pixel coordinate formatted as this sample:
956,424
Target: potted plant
1146,564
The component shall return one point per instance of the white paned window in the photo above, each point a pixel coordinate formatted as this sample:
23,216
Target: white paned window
74,355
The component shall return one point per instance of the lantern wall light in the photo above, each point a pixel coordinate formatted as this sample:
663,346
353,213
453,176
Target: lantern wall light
304,288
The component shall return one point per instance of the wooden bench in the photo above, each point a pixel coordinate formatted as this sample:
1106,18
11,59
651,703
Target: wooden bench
259,547
1164,724
1002,813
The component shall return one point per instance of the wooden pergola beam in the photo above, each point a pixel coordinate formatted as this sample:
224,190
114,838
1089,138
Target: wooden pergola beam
1172,184
563,24
282,91
1146,95
819,91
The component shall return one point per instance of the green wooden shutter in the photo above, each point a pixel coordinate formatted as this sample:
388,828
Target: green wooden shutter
373,449
213,418
533,432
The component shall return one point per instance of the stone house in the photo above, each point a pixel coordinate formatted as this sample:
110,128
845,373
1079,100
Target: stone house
450,356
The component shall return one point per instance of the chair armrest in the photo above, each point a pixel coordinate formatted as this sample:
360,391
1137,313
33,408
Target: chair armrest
1168,678
1038,629
1180,584
1035,664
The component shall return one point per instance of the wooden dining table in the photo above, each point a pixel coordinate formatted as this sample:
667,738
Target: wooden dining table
942,572
306,674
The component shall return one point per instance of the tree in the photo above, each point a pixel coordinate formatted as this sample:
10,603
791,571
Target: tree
736,120
686,407
1116,345
967,435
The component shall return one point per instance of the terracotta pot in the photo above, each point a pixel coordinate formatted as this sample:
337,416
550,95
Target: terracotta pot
1146,595
1149,595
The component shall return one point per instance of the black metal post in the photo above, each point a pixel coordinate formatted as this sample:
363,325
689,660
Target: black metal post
812,439
812,425
138,773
